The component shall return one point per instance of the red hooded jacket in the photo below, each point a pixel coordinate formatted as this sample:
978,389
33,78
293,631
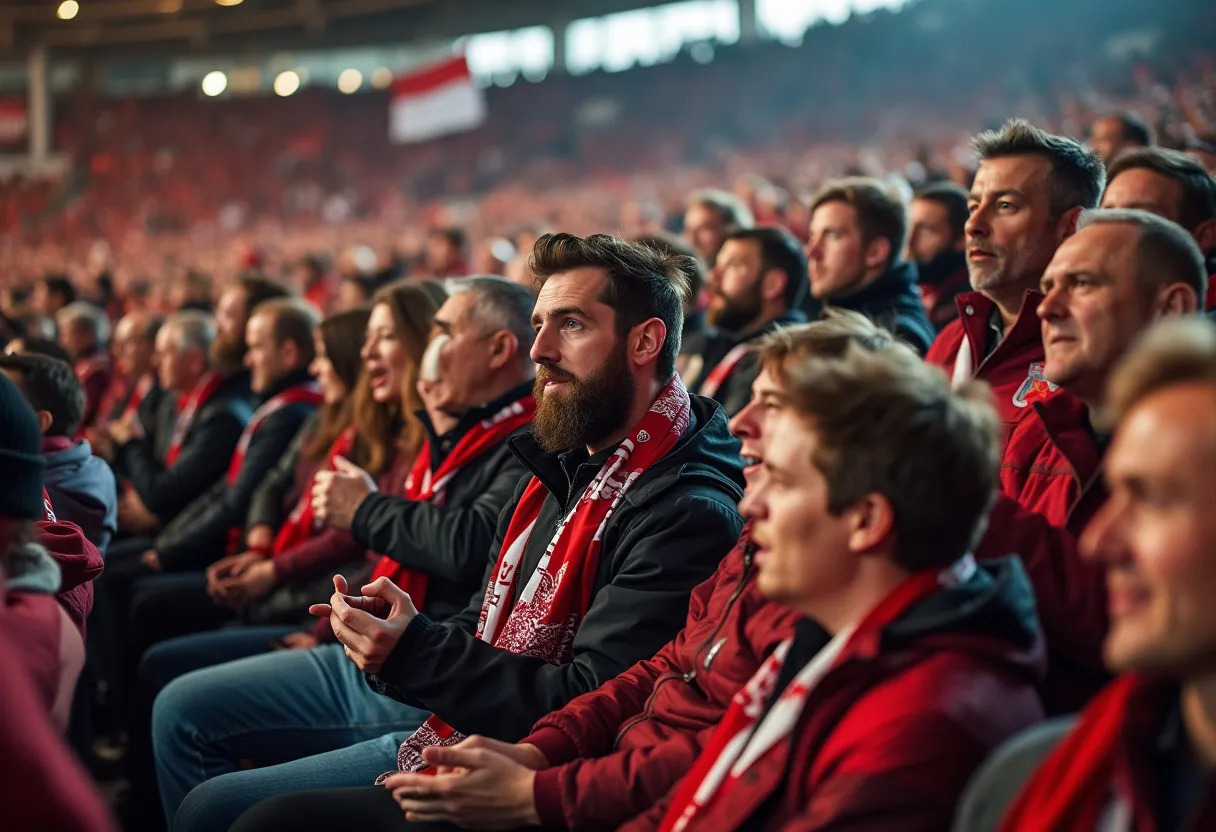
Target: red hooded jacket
1015,368
889,737
618,749
1051,486
79,563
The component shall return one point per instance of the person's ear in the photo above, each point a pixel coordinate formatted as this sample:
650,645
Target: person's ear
773,284
1066,226
1205,236
44,420
503,348
1176,300
646,341
291,354
877,253
873,519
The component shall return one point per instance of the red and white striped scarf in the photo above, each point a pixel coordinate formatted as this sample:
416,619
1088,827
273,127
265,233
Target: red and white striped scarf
546,614
722,370
187,408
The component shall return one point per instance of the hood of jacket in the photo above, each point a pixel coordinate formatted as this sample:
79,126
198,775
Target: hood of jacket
893,301
707,452
79,560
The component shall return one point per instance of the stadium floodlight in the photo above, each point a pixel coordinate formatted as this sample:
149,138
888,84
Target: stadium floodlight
68,9
214,83
286,82
228,2
349,80
382,77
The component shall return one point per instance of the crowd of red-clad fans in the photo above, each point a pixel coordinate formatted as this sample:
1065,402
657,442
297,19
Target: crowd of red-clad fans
865,493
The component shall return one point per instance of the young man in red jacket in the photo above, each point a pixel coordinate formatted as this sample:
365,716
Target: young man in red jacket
931,660
1142,754
1029,189
1106,284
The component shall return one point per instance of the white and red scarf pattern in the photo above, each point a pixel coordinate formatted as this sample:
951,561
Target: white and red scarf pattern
546,615
722,370
187,408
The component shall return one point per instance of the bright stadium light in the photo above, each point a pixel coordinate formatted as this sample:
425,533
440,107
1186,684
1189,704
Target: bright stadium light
228,2
349,80
382,77
214,83
286,82
68,9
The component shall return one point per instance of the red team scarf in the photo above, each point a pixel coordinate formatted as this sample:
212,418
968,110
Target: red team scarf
307,393
721,372
547,613
187,409
1075,787
426,486
742,737
140,390
302,523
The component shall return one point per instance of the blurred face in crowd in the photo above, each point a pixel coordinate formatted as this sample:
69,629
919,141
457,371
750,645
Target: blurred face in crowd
333,388
132,351
734,285
929,234
704,229
1094,307
1147,190
231,316
443,257
384,356
76,339
751,424
837,254
267,360
1106,137
465,355
1011,234
45,301
804,555
177,370
1156,534
351,295
584,385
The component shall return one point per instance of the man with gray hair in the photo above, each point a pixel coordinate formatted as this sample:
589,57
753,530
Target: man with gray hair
1119,273
1028,192
84,331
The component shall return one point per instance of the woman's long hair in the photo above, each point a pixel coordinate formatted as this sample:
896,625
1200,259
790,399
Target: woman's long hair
342,334
383,430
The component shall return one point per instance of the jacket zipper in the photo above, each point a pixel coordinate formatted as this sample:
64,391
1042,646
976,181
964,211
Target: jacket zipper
713,652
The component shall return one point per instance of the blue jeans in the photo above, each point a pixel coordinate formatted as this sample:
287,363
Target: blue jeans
285,711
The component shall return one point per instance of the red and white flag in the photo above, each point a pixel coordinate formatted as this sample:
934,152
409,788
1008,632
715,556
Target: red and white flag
14,121
435,101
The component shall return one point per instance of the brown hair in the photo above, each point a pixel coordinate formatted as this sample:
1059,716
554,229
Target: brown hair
889,424
643,282
292,320
1173,351
1198,186
880,210
1077,174
342,334
382,430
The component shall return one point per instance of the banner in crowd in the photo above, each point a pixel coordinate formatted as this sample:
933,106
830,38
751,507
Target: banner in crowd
435,101
14,122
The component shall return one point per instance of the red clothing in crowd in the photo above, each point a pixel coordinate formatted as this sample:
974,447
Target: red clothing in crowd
617,750
1014,370
95,374
79,563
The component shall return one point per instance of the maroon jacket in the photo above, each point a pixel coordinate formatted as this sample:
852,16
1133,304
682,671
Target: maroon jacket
95,374
43,787
888,738
79,563
1051,486
1014,369
618,749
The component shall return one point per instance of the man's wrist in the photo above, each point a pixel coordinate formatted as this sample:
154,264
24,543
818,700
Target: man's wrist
526,804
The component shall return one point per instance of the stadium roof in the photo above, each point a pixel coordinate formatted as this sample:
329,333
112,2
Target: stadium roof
112,28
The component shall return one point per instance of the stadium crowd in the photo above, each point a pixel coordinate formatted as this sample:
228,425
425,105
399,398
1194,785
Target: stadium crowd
863,491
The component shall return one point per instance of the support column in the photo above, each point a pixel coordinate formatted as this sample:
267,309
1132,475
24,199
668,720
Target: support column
39,105
747,22
559,45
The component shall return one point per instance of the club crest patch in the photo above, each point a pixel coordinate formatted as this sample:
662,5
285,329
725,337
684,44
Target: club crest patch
1034,388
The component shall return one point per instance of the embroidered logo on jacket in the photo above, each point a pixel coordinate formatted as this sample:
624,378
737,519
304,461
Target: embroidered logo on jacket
1034,388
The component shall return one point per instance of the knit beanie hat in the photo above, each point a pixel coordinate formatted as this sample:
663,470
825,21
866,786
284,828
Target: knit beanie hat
21,465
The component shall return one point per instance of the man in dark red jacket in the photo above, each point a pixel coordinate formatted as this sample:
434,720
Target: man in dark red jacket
1142,752
1105,285
1029,189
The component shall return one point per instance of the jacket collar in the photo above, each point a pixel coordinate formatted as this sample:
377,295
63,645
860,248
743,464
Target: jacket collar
1066,420
55,444
787,318
441,445
975,311
292,379
895,283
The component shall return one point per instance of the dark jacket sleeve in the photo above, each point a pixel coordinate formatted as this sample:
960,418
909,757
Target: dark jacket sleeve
203,460
447,541
266,508
194,545
658,557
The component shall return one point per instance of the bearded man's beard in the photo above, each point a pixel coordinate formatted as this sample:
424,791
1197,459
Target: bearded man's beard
583,411
228,355
734,314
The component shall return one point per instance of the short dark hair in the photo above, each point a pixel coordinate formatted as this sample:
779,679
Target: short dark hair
35,345
294,320
1132,127
259,289
642,283
456,237
953,198
666,242
1077,174
1165,252
51,385
62,286
880,210
779,249
1198,186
